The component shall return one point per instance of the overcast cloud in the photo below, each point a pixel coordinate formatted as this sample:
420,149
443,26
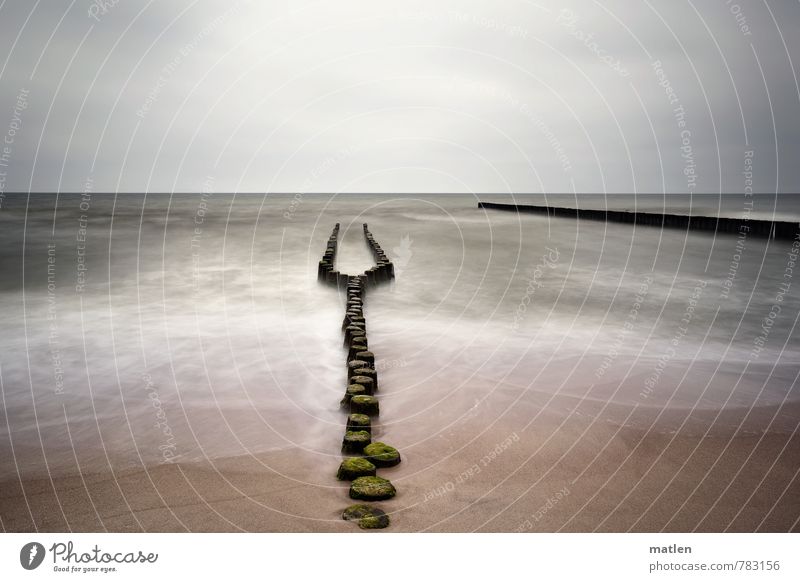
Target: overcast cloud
412,96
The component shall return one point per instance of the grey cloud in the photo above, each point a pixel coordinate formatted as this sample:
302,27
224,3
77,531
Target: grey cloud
411,96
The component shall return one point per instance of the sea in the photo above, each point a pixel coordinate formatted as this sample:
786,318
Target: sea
142,329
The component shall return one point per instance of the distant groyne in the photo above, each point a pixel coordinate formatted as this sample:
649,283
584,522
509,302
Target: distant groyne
761,228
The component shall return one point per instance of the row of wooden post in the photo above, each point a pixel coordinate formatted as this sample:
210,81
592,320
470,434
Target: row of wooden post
752,227
362,377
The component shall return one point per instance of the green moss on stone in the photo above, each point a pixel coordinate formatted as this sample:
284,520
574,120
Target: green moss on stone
355,365
367,516
364,405
359,345
354,390
356,512
367,382
379,520
367,373
382,455
355,467
355,441
366,356
359,422
372,489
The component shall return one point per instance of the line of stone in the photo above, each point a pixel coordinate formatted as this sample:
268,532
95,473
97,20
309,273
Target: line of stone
365,457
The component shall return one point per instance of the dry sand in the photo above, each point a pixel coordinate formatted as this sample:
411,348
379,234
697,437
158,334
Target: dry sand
583,471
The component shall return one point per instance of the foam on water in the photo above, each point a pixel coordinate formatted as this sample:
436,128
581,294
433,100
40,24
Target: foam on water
205,334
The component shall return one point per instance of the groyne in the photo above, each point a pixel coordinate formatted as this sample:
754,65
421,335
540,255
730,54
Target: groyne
363,455
760,228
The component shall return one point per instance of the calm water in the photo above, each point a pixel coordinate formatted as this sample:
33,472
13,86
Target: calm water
188,327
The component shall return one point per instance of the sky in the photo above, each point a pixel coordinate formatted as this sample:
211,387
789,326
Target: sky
413,96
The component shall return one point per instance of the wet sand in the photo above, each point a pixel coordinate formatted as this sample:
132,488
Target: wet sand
583,473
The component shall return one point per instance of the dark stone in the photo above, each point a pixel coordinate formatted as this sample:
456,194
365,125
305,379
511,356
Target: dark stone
351,335
382,455
354,390
367,382
359,422
366,516
372,489
355,467
356,347
369,373
367,405
368,357
354,365
359,340
355,441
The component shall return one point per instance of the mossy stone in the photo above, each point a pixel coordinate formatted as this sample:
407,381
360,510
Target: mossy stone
356,512
355,441
367,357
358,340
354,390
355,467
382,455
364,405
365,381
369,373
378,520
366,516
359,422
372,489
355,365
356,347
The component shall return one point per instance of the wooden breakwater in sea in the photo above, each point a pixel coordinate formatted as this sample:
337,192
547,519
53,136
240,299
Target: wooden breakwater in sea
760,228
364,454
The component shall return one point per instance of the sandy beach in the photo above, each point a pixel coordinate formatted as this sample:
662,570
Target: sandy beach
585,473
